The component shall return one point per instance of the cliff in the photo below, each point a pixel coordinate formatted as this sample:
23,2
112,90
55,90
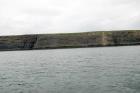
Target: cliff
87,39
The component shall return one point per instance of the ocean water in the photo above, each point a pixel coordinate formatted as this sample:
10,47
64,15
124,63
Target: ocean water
79,70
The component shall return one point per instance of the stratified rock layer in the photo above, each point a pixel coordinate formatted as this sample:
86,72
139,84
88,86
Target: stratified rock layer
70,40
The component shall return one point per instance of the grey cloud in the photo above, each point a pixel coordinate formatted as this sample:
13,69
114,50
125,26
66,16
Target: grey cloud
54,16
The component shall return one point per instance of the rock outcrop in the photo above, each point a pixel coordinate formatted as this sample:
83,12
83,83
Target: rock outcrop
24,42
70,40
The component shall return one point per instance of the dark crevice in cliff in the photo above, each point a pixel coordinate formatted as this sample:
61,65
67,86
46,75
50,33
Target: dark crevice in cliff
34,42
30,43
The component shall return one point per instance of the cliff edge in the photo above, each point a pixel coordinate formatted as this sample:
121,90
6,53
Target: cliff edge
70,40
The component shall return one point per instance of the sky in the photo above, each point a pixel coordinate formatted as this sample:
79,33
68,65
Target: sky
66,16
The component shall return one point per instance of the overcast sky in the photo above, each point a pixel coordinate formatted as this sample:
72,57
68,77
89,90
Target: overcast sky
55,16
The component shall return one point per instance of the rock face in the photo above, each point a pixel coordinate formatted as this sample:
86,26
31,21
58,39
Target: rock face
17,42
88,39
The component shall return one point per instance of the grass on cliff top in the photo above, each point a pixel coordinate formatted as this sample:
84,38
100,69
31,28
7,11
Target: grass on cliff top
77,33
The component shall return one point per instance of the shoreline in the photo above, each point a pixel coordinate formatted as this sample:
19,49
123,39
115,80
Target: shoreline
69,48
70,40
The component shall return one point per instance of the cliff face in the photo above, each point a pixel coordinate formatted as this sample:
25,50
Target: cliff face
88,39
17,42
